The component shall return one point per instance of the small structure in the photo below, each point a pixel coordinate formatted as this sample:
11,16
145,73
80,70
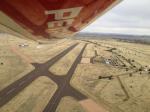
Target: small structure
23,45
106,77
108,61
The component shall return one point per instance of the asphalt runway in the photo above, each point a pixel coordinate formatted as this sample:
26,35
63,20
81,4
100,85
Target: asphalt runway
64,87
40,69
63,82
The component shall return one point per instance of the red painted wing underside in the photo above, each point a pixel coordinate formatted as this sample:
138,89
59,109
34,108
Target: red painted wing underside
54,18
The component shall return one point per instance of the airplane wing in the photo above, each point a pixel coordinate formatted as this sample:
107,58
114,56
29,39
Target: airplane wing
48,19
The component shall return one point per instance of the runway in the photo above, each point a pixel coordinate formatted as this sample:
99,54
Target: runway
63,82
64,87
13,89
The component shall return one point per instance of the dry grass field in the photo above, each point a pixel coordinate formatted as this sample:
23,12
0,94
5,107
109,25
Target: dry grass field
64,64
12,66
118,78
40,53
113,74
15,60
33,98
35,52
89,51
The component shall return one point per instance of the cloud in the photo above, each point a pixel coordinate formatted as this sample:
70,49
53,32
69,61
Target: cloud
129,17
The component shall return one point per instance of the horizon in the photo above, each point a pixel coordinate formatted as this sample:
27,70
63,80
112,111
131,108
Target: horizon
108,33
128,17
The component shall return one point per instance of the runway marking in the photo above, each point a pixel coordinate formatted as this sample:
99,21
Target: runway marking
10,91
22,83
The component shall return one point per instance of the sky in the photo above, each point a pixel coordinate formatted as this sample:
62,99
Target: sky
128,17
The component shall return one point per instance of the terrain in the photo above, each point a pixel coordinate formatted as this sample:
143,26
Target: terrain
74,75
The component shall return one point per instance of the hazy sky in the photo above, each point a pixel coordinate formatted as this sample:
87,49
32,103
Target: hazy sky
129,17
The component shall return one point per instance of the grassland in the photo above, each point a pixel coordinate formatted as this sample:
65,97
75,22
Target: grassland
15,60
118,78
34,98
89,51
64,64
40,53
12,66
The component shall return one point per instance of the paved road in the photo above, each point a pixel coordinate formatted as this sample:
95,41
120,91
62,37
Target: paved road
40,69
64,87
